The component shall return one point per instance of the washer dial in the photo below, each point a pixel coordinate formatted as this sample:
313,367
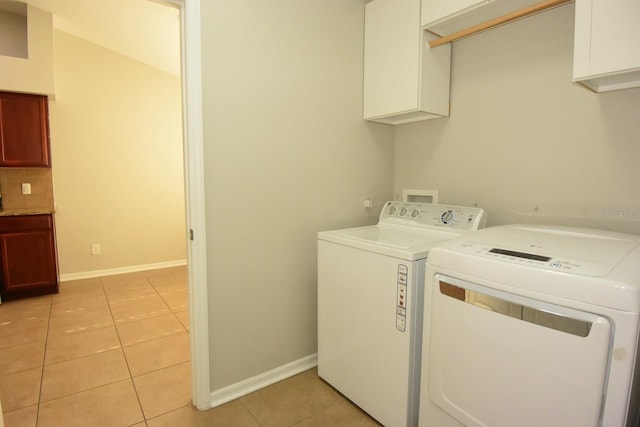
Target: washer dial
448,217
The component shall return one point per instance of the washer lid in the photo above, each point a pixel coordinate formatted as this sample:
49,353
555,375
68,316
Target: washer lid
407,243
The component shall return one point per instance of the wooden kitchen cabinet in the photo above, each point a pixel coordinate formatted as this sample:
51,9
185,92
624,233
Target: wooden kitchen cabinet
24,130
444,17
28,260
404,80
607,44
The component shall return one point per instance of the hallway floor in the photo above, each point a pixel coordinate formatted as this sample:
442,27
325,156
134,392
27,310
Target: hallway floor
114,351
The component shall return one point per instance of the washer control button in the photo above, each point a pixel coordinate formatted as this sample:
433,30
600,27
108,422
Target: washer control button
401,322
401,298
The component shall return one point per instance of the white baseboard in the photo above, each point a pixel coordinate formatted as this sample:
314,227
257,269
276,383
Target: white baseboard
121,270
234,391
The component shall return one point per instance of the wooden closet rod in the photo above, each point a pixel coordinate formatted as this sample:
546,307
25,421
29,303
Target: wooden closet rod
512,16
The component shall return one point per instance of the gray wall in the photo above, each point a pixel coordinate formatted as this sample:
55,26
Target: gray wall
523,141
286,155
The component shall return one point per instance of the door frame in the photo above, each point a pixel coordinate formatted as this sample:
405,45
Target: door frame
191,77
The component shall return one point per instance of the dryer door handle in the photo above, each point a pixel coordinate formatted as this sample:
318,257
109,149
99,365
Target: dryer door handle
547,317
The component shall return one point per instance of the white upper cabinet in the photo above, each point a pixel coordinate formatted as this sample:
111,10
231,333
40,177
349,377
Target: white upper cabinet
404,80
444,17
607,44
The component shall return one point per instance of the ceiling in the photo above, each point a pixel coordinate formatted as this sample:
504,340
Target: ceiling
145,30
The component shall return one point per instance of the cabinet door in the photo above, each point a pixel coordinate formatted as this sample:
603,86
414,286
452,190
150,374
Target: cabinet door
391,57
24,130
607,43
28,259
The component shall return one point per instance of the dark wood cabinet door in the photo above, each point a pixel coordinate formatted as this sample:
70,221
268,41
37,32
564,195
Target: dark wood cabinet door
24,130
28,257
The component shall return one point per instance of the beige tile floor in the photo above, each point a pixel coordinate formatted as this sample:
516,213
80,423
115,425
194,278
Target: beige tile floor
114,351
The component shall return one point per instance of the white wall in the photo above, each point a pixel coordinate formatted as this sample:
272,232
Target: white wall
522,140
116,142
286,155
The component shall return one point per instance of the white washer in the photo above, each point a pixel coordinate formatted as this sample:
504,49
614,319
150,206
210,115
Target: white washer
532,326
370,295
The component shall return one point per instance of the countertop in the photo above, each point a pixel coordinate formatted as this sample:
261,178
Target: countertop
26,211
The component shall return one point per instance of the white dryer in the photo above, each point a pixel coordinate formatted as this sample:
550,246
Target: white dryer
370,295
532,326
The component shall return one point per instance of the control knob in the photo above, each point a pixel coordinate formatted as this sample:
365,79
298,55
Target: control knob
448,217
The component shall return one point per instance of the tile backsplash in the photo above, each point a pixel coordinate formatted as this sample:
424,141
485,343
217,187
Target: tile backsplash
11,180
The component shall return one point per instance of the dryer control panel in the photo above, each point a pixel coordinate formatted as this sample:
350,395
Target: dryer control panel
571,250
429,215
535,259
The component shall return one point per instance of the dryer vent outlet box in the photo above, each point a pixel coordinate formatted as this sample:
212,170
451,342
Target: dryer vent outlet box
420,196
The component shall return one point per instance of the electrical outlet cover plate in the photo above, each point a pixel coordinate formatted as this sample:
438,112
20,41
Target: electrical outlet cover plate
95,249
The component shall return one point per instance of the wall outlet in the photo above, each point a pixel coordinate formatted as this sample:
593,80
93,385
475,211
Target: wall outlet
95,249
26,188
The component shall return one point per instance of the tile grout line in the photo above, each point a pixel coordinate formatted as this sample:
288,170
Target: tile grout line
130,378
176,317
122,346
124,355
48,335
44,357
170,309
248,409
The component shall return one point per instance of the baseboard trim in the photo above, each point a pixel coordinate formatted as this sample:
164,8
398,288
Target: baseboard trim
121,270
234,391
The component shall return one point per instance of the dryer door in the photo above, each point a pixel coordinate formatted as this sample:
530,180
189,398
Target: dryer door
498,359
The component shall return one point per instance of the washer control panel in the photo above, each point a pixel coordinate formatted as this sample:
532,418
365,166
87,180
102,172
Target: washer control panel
401,299
429,215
